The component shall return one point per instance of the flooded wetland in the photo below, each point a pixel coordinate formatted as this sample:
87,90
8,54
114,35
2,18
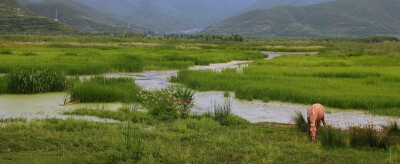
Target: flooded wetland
136,98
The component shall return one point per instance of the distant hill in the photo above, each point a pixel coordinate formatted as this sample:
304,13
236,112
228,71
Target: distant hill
27,21
81,16
171,15
338,18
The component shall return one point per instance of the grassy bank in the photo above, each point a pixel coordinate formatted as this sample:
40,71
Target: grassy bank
198,140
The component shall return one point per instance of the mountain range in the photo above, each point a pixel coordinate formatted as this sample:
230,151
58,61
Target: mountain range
330,19
163,16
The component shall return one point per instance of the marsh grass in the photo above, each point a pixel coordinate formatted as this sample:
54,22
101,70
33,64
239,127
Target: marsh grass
191,140
29,54
333,138
3,85
70,54
368,137
300,121
124,113
392,129
102,89
11,120
35,80
222,113
5,52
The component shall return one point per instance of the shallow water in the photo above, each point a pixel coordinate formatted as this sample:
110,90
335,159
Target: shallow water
41,106
48,105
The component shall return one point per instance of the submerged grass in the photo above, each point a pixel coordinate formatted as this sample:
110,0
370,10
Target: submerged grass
102,89
122,114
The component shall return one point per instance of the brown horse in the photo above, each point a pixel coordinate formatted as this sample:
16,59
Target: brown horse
315,115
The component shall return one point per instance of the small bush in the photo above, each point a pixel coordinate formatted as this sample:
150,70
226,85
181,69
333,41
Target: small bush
300,121
367,137
35,80
168,103
332,138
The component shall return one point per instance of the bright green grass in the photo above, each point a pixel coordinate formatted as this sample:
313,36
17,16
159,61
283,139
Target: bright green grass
102,89
200,140
350,82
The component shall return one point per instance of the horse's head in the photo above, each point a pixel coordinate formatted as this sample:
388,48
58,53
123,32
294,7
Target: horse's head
313,132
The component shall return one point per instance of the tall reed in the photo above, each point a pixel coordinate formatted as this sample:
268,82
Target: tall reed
35,80
300,121
102,89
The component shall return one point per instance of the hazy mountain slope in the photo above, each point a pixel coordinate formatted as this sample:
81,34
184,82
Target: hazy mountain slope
266,4
27,21
338,18
171,15
83,17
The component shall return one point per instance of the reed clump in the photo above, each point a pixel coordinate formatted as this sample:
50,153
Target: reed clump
333,138
300,121
102,89
368,137
35,80
222,113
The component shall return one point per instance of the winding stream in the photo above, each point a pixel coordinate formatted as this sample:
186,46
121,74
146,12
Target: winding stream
48,105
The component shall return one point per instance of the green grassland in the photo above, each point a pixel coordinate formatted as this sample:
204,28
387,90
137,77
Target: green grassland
88,55
193,140
346,74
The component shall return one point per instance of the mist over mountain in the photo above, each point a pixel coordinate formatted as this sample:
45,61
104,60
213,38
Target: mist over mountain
337,18
177,15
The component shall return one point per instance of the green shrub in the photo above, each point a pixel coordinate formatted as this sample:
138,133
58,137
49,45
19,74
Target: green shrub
300,121
168,103
332,138
35,80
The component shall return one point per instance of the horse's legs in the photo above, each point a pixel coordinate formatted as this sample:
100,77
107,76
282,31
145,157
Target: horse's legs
323,121
309,125
318,124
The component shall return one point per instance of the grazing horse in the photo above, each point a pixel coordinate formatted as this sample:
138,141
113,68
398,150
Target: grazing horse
315,115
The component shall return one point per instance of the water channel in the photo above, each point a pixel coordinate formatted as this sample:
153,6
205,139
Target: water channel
48,105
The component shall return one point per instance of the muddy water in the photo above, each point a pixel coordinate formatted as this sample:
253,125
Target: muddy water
48,105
